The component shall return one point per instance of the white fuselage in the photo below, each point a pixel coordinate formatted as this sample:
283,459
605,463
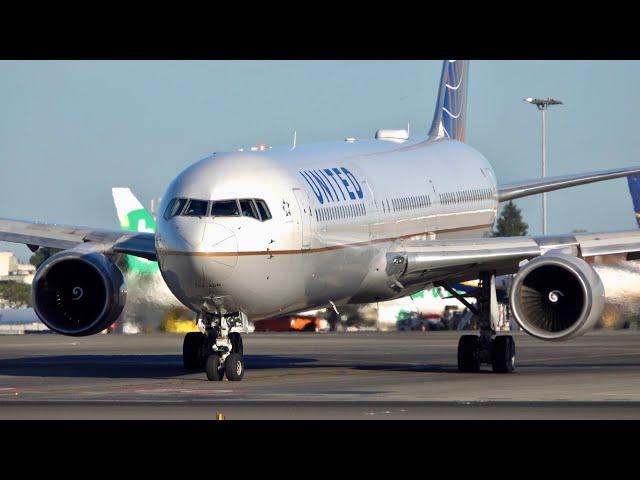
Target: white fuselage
336,209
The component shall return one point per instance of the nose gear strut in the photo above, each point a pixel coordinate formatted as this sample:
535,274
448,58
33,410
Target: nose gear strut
217,347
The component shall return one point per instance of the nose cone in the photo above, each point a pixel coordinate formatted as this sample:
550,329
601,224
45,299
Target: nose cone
220,252
196,257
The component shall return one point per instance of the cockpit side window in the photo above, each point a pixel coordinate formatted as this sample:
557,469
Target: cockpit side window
174,208
248,209
265,214
196,208
225,208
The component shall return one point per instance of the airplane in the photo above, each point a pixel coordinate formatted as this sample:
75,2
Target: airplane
134,217
264,232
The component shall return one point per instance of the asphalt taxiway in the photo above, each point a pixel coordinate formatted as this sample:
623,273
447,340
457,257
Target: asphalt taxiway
366,375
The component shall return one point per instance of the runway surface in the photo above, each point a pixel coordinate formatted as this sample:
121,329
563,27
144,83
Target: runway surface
399,375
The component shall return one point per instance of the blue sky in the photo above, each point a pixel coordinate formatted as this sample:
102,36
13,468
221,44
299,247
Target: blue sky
69,131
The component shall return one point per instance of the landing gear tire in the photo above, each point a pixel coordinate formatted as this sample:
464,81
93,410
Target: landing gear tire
469,354
503,354
236,343
214,368
192,351
234,366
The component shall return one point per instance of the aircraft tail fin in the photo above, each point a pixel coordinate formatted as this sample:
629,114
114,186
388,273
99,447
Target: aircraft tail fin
134,217
131,214
634,190
451,108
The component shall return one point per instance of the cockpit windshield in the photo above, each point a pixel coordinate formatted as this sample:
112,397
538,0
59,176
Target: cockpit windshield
247,207
196,208
265,214
174,208
225,208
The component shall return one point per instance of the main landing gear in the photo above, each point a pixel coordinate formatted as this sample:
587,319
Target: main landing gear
486,348
215,348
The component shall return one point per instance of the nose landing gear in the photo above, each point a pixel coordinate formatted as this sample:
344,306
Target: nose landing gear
216,349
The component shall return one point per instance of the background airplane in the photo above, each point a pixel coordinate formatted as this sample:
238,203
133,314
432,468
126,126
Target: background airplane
634,190
133,217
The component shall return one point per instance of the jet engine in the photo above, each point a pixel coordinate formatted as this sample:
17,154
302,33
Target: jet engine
78,293
557,297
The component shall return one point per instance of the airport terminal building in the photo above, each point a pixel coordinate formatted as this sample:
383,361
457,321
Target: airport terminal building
11,270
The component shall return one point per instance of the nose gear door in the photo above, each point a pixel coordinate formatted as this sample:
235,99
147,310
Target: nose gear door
303,218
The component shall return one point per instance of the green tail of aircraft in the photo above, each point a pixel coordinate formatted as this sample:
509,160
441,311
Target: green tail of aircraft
134,217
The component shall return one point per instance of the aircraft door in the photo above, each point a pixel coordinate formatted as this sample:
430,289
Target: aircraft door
303,218
372,212
434,205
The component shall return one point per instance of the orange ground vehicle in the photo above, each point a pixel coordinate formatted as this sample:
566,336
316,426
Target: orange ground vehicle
289,323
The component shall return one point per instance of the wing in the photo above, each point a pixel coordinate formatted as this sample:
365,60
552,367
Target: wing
509,191
424,261
64,237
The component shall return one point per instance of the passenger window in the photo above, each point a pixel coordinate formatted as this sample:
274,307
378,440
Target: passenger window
265,214
174,208
225,208
248,209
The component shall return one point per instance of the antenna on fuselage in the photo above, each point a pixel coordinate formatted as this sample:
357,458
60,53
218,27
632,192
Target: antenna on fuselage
408,129
295,138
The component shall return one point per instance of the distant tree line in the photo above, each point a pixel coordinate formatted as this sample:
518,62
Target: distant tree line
16,294
510,222
41,255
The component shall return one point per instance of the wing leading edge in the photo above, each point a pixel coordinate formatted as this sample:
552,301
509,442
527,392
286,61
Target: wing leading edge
66,237
512,190
423,261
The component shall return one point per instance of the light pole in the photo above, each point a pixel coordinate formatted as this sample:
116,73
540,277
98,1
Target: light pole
542,106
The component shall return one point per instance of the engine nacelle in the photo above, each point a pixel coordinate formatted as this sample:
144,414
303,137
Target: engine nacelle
78,293
557,297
